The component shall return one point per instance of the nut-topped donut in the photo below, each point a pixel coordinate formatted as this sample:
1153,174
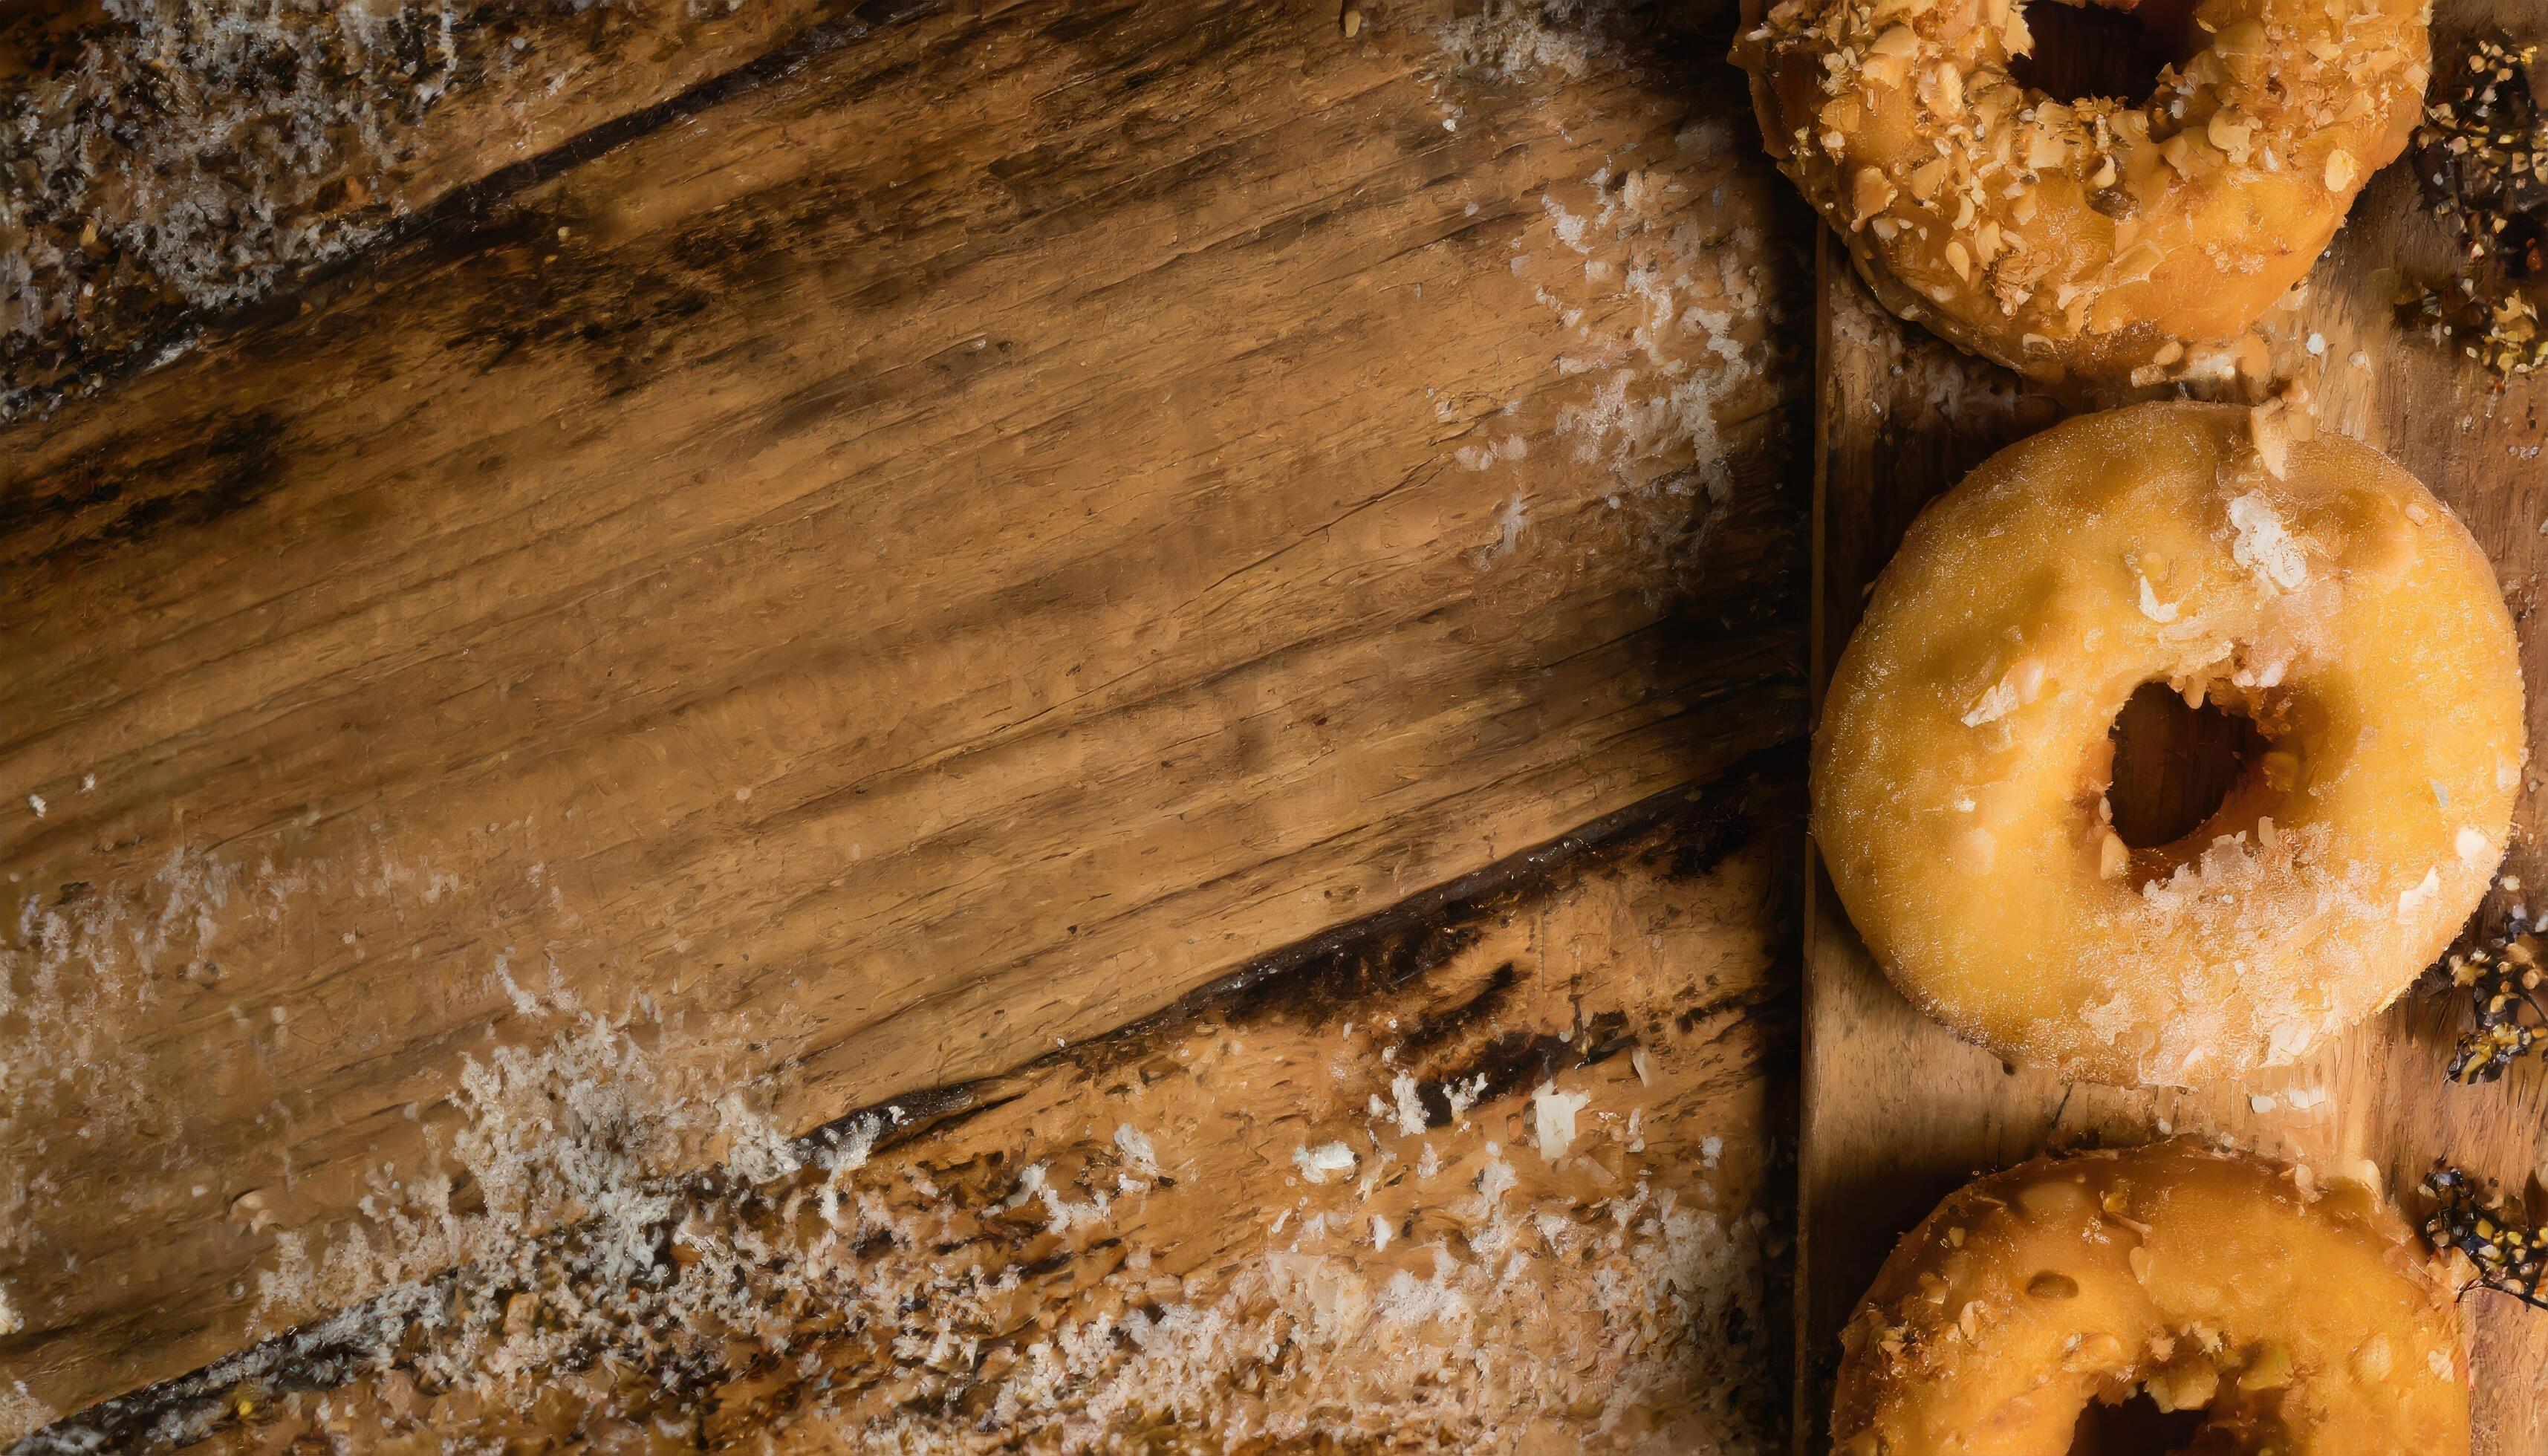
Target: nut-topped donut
2297,1317
2091,238
1963,756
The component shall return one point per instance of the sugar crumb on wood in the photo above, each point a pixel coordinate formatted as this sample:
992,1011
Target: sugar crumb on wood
1465,1097
1664,288
1059,1266
185,159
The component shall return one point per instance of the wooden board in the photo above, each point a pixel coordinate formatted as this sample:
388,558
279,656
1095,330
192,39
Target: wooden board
1896,1112
935,553
205,159
1120,1241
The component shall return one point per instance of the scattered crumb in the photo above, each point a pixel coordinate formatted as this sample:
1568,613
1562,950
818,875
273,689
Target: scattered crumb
1509,41
1138,1155
1324,1161
1553,1119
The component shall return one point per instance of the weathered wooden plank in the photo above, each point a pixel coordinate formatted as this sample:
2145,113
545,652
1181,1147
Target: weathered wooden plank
181,162
938,554
1896,1112
1131,1244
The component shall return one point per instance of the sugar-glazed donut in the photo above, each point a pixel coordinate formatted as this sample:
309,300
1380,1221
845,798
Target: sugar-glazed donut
1961,767
2091,238
2297,1316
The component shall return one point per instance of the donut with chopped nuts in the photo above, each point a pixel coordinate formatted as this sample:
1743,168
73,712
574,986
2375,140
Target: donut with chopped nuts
2091,238
1962,766
2296,1315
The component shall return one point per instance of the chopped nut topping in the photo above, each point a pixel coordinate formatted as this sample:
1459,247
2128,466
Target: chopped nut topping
2270,1371
2188,1384
1949,84
2236,137
2281,423
1870,194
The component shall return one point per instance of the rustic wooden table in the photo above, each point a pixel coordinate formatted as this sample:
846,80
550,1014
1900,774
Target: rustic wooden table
930,723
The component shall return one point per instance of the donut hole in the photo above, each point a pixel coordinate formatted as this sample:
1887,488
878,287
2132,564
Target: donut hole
2134,1427
2175,766
2084,50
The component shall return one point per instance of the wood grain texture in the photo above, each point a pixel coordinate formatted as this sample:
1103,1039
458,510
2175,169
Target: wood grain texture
185,161
1117,1246
1897,1112
936,554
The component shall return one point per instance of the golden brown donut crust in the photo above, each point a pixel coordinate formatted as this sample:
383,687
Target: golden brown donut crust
2093,239
2305,1318
1961,767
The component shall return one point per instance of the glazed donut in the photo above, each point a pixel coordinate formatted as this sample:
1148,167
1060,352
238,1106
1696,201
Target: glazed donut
2298,1318
1961,764
2091,238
